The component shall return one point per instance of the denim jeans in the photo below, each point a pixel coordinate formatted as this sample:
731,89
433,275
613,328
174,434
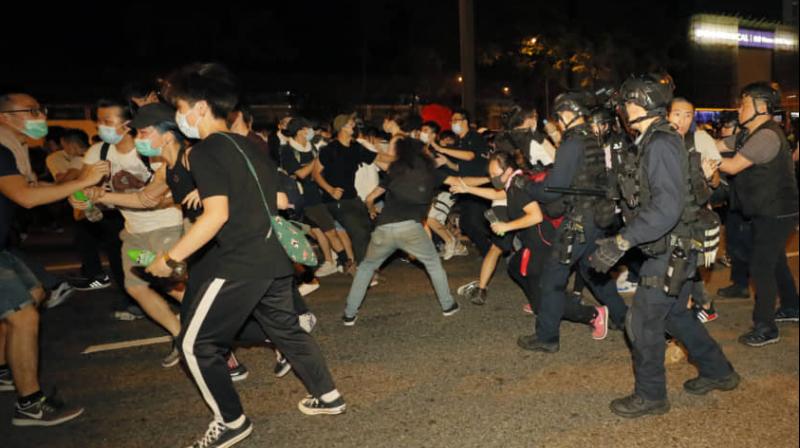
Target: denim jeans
410,237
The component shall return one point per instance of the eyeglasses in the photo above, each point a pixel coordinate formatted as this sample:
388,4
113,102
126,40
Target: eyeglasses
36,112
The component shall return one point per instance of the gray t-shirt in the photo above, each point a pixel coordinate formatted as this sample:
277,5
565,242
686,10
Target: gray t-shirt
760,149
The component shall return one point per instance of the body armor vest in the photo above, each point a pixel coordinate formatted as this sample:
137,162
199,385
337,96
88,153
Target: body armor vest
591,174
768,189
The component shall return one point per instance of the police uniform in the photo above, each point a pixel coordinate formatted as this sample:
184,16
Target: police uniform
580,163
661,215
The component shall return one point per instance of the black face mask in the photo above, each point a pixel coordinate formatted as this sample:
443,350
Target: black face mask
498,183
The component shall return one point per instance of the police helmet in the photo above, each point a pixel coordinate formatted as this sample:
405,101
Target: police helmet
577,102
651,92
764,92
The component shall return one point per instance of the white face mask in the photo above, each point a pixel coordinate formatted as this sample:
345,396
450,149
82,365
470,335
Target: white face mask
458,129
424,137
183,124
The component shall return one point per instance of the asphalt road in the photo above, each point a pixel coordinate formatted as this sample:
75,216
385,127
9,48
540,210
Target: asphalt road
413,378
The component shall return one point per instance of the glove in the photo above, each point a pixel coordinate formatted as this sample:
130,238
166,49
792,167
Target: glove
607,255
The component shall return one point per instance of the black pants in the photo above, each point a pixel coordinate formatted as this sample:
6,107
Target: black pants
651,315
739,246
352,214
91,238
473,223
216,317
554,283
770,269
574,311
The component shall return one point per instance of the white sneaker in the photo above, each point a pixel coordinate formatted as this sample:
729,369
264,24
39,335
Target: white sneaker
59,295
462,290
307,288
307,321
460,250
624,286
326,269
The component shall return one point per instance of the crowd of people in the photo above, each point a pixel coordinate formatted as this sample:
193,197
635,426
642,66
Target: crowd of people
619,191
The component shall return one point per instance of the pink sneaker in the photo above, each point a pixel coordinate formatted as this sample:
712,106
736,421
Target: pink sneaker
600,324
527,309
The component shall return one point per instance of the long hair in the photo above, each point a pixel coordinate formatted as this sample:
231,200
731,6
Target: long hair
410,156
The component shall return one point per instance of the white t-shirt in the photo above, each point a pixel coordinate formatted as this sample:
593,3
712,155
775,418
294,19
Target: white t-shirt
706,146
136,221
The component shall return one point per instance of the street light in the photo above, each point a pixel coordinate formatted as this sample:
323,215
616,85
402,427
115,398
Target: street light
506,90
460,78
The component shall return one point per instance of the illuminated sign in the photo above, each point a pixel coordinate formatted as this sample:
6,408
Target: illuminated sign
725,31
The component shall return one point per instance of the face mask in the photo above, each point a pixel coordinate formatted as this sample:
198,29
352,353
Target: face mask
183,124
458,128
35,129
425,138
498,183
310,134
145,148
109,134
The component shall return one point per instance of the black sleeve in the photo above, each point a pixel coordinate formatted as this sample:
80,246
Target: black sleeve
212,163
439,177
520,198
288,161
8,164
567,163
365,155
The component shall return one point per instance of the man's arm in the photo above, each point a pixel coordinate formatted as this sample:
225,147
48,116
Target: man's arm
460,154
663,165
319,178
16,188
735,164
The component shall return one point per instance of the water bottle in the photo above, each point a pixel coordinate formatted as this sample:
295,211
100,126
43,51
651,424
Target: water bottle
491,216
142,257
93,214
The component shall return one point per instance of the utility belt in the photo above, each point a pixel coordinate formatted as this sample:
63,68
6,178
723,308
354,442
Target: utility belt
678,273
571,233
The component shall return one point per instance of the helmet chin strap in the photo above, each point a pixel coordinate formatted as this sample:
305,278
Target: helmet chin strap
755,115
567,125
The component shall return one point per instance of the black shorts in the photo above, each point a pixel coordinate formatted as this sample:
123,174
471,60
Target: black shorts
320,216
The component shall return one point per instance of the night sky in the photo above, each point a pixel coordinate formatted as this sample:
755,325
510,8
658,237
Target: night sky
70,52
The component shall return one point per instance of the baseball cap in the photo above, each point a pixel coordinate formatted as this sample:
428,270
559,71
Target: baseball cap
341,120
153,114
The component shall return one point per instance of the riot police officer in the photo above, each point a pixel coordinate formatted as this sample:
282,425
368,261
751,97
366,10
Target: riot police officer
580,163
766,190
664,225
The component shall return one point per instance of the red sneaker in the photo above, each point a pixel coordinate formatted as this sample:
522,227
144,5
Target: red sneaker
527,309
600,324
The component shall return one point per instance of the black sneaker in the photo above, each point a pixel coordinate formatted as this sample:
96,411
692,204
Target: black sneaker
734,292
760,336
282,366
634,406
315,406
101,281
220,435
349,321
530,342
452,310
478,296
787,315
702,385
48,411
237,370
6,381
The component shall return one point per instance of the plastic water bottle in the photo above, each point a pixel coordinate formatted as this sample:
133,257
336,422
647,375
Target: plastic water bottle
141,257
93,214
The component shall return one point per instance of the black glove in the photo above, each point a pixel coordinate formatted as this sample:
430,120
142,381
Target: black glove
606,256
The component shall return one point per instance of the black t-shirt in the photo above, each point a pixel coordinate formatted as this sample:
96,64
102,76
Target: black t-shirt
518,199
409,194
476,167
341,163
8,167
293,160
241,253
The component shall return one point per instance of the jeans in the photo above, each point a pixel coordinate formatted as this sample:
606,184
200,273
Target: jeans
651,315
352,214
410,237
770,269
